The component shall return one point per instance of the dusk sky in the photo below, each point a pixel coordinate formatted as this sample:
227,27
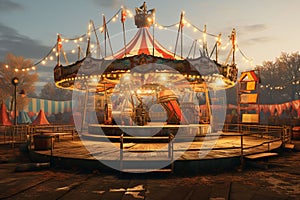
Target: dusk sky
265,28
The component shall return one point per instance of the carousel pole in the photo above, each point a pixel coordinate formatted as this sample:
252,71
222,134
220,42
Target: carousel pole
181,33
78,53
233,39
97,39
179,29
85,106
217,46
195,46
205,41
123,18
58,48
153,28
208,103
104,29
88,51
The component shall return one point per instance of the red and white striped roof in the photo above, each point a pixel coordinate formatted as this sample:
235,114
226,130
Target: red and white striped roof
142,43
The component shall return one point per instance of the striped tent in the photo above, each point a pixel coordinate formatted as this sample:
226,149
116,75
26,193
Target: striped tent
142,43
48,106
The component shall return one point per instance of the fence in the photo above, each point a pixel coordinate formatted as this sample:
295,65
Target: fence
24,133
241,132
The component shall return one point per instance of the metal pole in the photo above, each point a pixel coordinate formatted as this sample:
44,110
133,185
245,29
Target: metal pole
242,151
121,151
15,106
15,82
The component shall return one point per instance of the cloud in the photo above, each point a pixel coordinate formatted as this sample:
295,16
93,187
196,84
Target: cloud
8,6
13,42
255,28
257,40
116,4
108,3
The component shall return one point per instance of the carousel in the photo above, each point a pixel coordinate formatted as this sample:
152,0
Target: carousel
144,88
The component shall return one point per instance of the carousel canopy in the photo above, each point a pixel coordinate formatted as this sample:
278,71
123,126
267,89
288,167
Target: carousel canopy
144,43
143,50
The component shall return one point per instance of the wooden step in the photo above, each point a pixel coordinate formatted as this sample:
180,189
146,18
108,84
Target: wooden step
261,155
289,146
147,170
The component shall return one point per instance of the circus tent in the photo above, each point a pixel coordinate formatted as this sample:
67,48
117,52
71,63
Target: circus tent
41,119
4,119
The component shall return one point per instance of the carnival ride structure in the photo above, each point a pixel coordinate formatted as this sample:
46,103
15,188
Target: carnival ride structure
144,83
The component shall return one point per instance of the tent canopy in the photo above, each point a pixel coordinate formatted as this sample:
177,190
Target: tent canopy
4,119
41,119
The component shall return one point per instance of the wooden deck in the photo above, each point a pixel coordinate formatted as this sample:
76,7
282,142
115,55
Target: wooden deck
223,147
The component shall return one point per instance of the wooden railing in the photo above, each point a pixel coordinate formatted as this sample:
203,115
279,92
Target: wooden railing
24,133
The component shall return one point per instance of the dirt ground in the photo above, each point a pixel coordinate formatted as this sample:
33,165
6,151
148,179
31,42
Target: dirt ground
273,178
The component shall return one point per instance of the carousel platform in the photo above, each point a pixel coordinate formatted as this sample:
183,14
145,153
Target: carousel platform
92,152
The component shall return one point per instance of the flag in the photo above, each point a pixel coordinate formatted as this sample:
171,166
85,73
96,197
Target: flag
123,16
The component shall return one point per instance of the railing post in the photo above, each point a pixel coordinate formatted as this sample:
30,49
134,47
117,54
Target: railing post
51,152
170,146
171,152
289,130
283,132
121,151
268,142
242,152
13,136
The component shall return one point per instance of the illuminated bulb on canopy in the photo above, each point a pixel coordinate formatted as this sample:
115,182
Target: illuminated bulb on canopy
6,66
94,80
33,68
16,70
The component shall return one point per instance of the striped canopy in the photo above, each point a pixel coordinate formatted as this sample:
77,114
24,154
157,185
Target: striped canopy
142,43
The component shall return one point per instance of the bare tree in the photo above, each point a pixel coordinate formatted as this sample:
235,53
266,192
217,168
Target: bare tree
16,66
280,80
